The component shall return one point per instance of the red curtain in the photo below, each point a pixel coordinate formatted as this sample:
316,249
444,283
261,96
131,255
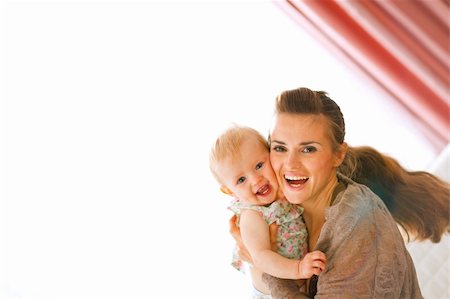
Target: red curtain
403,46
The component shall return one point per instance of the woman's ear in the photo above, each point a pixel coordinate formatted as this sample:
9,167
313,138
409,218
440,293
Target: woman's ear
225,190
340,154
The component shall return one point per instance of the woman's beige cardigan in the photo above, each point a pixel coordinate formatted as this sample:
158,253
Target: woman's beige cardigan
366,254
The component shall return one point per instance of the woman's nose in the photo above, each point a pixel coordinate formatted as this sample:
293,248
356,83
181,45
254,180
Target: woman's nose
293,160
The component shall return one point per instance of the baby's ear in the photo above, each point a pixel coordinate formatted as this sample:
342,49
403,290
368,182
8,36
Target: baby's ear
225,190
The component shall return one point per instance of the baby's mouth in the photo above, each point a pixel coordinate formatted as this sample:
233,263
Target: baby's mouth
264,190
296,181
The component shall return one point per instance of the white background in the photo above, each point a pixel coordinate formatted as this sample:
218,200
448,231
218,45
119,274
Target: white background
108,110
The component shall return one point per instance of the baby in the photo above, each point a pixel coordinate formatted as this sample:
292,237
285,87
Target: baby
239,161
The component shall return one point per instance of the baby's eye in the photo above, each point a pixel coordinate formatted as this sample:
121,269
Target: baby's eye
259,165
309,149
240,180
278,148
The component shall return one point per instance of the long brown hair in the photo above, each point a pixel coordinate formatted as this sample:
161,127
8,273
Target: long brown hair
418,200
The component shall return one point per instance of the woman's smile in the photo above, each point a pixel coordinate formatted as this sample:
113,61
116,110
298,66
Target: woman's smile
296,181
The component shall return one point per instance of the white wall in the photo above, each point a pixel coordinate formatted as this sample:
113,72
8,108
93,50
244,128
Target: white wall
108,110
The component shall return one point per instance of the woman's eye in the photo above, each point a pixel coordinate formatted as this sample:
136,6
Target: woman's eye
240,180
278,149
259,165
309,149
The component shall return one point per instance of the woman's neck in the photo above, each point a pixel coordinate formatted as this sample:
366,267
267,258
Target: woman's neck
314,211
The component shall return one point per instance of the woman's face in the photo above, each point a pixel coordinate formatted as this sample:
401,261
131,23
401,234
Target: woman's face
301,154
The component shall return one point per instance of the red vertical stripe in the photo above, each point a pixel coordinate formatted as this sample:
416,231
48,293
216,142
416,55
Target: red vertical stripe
404,83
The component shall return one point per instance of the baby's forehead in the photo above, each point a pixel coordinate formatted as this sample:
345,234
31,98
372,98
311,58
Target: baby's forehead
243,160
251,152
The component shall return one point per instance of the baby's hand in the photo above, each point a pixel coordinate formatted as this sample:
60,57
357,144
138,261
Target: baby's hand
313,263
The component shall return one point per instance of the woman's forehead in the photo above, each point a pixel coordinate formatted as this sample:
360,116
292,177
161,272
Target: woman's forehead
301,129
305,124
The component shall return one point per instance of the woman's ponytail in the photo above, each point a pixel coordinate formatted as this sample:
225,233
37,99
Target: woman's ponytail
418,200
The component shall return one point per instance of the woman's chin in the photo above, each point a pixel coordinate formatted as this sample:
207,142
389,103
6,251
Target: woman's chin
294,199
293,196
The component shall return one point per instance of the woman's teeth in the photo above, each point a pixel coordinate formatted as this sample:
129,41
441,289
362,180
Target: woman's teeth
296,181
295,178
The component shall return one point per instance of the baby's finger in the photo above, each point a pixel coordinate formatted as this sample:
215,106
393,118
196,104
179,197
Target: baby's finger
319,265
316,271
318,255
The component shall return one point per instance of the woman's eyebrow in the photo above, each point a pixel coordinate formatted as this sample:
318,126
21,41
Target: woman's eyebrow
301,143
309,142
276,141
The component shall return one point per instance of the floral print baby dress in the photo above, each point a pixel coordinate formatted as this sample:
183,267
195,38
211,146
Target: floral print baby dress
292,236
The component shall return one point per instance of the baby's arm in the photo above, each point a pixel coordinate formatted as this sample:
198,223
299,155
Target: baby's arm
255,236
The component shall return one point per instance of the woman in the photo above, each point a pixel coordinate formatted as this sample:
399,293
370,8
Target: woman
366,256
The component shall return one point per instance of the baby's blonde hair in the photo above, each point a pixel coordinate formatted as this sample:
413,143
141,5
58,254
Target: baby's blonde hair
228,144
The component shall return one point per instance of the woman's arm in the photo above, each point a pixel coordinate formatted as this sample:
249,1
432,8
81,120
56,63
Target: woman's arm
363,240
256,237
282,288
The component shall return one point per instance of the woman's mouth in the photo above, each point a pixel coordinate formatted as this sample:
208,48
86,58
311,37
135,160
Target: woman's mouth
296,181
264,190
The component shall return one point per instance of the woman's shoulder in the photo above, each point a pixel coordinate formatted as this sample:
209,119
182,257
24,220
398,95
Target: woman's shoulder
354,205
356,196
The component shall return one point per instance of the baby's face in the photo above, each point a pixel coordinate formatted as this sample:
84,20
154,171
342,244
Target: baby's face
249,176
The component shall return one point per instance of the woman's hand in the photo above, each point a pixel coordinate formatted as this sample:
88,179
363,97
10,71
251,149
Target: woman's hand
236,234
242,250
